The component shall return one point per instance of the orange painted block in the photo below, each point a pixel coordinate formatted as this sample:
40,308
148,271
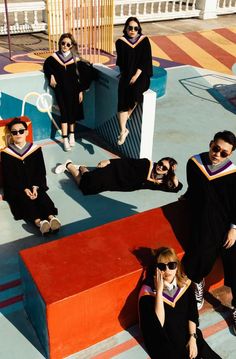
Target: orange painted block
83,288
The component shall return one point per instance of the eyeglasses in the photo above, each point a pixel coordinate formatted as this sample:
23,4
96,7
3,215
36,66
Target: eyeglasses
217,149
135,28
169,265
164,168
15,132
63,43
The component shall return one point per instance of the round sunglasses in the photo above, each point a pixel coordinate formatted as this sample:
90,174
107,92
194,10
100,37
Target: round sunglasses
135,28
217,149
67,44
15,132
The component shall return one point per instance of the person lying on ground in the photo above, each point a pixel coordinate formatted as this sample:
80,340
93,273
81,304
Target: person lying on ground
125,174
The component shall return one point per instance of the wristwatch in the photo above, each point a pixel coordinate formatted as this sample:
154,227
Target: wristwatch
193,335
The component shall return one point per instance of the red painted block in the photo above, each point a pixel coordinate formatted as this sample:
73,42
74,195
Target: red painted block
83,288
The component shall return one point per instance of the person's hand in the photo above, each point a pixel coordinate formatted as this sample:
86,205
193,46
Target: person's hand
159,283
103,163
29,193
53,82
35,192
230,239
192,347
81,97
133,80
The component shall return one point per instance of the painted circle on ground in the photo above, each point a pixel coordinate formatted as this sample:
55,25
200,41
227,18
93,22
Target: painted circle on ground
155,63
234,69
44,102
22,67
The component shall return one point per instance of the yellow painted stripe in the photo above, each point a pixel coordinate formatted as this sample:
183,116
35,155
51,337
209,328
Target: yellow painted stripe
233,29
220,41
206,60
158,52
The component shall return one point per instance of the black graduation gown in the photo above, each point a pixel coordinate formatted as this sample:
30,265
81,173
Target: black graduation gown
169,341
124,174
67,89
212,202
25,171
131,57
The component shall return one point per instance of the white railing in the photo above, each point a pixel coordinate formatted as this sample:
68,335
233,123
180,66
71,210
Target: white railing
25,17
154,10
226,7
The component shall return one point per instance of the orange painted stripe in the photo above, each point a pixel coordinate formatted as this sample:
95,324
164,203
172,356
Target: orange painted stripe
217,52
227,33
174,52
118,349
215,328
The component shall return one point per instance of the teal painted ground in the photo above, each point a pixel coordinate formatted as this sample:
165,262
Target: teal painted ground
186,119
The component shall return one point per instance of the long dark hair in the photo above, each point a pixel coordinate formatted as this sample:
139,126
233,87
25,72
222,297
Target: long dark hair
168,179
132,18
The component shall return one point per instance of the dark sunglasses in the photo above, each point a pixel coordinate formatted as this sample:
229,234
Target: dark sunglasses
170,265
66,44
15,132
164,168
217,149
135,28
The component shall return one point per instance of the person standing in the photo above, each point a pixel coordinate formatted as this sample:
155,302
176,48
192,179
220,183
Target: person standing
24,180
211,194
63,76
134,59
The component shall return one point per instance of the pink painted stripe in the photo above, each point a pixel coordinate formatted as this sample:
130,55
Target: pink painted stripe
9,285
6,303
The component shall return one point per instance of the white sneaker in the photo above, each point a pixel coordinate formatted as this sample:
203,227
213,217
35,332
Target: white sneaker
62,168
199,291
55,224
72,139
44,227
66,145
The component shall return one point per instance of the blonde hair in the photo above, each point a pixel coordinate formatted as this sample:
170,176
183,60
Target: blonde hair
168,253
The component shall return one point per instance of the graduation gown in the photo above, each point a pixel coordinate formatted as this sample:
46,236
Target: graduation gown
68,87
131,57
170,341
211,196
123,174
22,171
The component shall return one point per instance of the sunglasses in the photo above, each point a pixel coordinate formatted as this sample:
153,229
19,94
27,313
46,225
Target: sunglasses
63,43
135,28
170,265
164,168
15,132
217,149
